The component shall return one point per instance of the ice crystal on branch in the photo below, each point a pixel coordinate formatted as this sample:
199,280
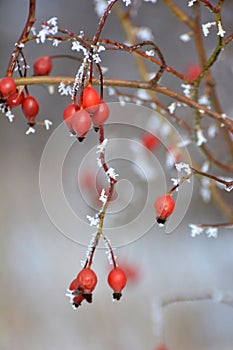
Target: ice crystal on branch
112,173
191,2
103,197
183,166
65,89
185,37
93,220
221,31
206,27
48,28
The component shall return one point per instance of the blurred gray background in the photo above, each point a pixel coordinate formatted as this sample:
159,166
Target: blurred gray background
38,262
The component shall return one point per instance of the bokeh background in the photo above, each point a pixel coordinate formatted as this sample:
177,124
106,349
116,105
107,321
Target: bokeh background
38,261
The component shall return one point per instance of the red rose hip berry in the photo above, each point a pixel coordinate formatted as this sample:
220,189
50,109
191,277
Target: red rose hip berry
30,108
164,207
68,114
43,65
81,123
16,99
117,281
7,87
90,99
101,115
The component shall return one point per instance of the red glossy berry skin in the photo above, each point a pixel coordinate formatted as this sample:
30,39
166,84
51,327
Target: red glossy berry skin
30,108
117,279
16,99
87,280
43,65
81,123
150,141
164,207
90,99
101,115
7,87
74,284
68,114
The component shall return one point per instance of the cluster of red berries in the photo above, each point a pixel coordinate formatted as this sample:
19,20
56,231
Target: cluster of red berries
164,207
13,97
82,286
91,111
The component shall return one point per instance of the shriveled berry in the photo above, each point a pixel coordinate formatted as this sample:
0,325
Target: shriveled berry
43,65
30,108
81,123
90,99
164,207
7,87
117,281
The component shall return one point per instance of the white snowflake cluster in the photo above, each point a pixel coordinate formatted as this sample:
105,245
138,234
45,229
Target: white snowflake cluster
76,46
172,107
150,53
205,190
153,1
209,231
50,27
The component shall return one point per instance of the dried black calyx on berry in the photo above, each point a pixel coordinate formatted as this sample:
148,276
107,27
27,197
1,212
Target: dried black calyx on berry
117,295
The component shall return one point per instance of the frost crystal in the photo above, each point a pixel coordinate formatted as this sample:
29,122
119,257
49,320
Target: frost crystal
30,130
112,173
221,31
103,197
206,27
212,232
186,89
10,115
65,89
172,107
153,1
209,231
49,28
191,2
150,53
212,131
200,138
101,147
127,2
195,230
183,166
76,46
47,124
93,220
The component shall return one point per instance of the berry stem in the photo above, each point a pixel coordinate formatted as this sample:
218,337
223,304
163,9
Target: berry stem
16,52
